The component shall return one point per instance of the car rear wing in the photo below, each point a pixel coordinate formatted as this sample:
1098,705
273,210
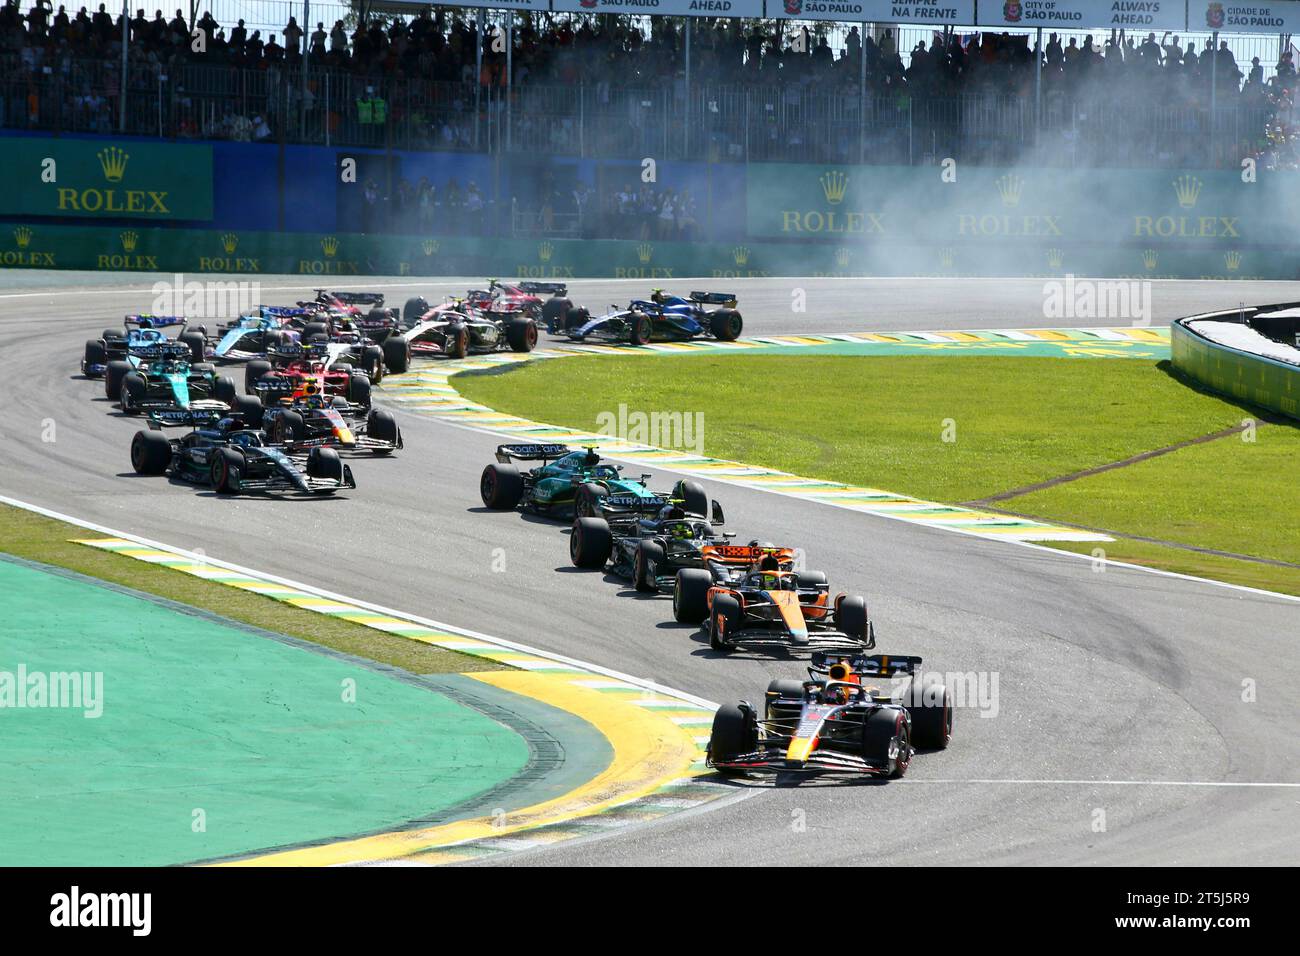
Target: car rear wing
283,312
873,665
355,298
163,350
727,299
749,553
144,321
530,452
543,288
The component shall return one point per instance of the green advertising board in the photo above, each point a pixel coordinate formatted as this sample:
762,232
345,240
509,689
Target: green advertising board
1255,379
106,179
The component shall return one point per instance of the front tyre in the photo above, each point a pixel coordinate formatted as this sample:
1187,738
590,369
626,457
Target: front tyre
501,486
691,595
590,543
735,733
151,453
644,565
886,741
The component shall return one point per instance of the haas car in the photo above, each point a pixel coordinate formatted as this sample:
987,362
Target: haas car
139,332
646,549
569,482
661,318
225,454
458,327
769,604
854,715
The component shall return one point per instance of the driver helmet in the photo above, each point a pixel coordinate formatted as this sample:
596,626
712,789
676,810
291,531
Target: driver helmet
657,296
835,694
769,562
770,580
682,530
592,459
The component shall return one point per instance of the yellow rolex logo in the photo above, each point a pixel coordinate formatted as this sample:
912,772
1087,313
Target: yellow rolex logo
113,162
544,251
945,258
330,246
1010,187
834,185
842,256
740,255
229,242
1232,260
1188,190
1150,259
430,246
23,236
129,239
645,252
1054,258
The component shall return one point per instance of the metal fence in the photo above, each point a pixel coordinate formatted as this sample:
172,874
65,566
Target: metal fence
752,123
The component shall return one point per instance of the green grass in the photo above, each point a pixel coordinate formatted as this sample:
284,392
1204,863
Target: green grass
37,538
880,421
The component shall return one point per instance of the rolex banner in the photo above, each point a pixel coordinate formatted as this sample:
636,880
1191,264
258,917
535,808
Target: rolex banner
884,205
104,178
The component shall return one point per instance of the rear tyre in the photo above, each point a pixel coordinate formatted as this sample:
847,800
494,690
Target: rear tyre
397,354
414,310
930,705
695,500
133,394
735,733
151,453
224,390
382,426
648,558
591,543
554,311
725,324
522,335
501,486
576,319
291,426
313,329
248,408
783,688
638,328
359,390
197,343
691,595
372,363
253,373
724,621
588,499
227,466
852,618
885,741
113,375
96,354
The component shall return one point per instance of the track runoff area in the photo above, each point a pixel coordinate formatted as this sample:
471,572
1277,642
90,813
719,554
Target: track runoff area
1121,733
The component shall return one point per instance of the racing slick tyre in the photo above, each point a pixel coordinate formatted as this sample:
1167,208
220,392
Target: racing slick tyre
227,465
325,463
851,618
695,501
691,595
413,311
312,329
522,335
576,319
253,373
554,311
248,408
96,354
274,339
342,367
397,354
204,368
109,335
224,390
457,342
133,394
372,363
811,579
377,318
291,426
591,543
382,426
151,453
113,375
783,688
587,500
647,554
886,742
735,732
359,390
638,328
930,705
501,486
724,621
725,324
197,343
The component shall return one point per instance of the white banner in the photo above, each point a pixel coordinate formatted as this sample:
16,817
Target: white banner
664,8
1244,17
1131,15
876,11
540,5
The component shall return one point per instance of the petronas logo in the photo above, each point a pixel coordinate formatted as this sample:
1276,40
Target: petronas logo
834,185
113,162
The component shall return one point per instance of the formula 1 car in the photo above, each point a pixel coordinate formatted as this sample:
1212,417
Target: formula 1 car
661,318
857,715
139,332
232,458
647,550
574,483
504,300
456,329
293,370
772,607
164,378
318,421
258,332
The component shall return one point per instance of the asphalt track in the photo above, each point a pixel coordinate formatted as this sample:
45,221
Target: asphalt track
1121,735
